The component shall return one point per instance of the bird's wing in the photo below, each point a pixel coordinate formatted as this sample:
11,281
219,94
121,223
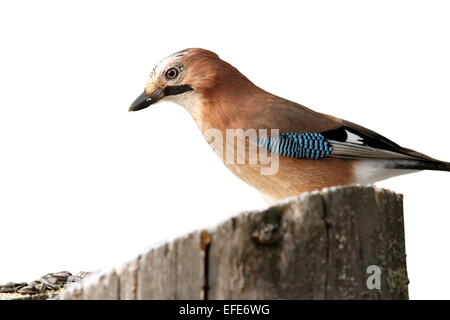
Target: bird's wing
339,138
353,141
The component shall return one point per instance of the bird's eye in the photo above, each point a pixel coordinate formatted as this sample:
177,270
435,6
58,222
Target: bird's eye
172,73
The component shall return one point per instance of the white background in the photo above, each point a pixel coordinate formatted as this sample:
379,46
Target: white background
85,184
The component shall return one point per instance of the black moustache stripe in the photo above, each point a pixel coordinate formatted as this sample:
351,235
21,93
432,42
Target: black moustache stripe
174,90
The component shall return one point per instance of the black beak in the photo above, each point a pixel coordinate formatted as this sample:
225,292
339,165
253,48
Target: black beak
144,100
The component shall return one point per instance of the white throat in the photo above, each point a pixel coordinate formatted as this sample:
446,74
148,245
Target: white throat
191,101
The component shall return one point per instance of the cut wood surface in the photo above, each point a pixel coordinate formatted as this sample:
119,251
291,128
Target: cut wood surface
315,246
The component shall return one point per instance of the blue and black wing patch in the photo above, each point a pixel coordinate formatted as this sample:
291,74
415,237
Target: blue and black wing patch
343,142
347,142
298,145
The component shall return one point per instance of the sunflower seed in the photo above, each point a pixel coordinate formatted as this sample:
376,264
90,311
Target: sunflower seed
50,283
20,285
27,290
7,289
63,275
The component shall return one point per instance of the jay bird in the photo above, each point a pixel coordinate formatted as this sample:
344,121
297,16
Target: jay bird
315,150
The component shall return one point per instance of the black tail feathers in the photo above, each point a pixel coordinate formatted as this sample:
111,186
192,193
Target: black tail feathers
422,165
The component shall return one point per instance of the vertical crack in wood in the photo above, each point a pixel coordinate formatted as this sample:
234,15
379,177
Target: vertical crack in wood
206,270
205,244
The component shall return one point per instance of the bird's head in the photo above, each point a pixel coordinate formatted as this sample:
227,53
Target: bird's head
189,75
181,74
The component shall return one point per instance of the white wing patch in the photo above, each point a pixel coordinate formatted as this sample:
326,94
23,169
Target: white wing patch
353,138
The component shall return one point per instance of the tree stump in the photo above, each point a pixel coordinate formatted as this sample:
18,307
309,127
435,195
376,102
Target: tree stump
337,243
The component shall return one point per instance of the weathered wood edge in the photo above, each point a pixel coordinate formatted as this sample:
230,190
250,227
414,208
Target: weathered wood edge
314,246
